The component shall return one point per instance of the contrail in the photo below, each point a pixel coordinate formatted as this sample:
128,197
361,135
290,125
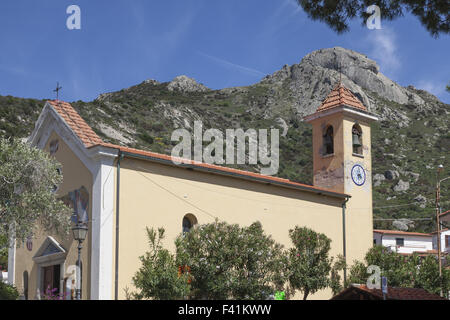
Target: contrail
233,65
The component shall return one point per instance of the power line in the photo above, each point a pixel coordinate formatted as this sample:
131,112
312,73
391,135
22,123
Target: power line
270,202
178,197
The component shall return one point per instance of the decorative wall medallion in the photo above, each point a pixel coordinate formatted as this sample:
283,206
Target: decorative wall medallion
30,243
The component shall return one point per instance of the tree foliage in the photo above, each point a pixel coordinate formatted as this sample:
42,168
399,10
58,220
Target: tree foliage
336,284
8,292
231,262
3,252
309,261
225,261
158,276
402,271
28,178
433,14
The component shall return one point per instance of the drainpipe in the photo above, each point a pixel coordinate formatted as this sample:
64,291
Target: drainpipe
116,275
344,206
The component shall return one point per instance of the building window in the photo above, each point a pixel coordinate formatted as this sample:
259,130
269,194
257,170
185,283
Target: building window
328,141
357,139
189,221
400,242
447,241
374,241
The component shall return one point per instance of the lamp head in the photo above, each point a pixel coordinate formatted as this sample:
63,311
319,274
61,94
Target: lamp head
79,232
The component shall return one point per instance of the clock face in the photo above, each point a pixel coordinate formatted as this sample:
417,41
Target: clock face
358,175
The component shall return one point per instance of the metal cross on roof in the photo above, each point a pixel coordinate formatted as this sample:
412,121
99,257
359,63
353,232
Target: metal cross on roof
57,90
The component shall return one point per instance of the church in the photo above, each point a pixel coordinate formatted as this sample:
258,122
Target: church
119,191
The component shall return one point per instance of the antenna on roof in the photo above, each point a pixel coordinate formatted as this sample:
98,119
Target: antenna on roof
57,90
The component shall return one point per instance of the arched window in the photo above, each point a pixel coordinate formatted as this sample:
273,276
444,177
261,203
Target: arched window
357,139
328,141
189,221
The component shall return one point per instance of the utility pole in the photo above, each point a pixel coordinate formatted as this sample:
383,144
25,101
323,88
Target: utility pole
438,223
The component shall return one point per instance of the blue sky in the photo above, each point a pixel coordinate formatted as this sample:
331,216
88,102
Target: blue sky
219,43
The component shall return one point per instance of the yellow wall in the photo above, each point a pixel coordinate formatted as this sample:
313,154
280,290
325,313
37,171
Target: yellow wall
156,195
75,176
359,208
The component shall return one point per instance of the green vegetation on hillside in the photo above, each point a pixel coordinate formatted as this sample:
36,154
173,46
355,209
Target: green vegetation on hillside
145,115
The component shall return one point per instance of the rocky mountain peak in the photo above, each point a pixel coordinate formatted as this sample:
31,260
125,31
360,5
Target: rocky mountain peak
185,84
311,80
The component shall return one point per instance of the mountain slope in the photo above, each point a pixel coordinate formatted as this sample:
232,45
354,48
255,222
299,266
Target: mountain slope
410,139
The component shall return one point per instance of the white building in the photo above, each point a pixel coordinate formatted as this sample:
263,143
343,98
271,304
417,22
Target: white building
445,240
404,242
445,219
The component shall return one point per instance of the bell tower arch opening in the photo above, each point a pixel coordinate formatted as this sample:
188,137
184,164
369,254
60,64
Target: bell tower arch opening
328,140
357,139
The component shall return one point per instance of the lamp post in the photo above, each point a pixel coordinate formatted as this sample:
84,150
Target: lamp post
79,233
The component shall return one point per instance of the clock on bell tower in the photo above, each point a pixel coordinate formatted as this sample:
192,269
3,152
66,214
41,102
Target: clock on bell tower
342,161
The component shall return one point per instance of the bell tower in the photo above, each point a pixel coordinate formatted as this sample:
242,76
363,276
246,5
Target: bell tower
343,162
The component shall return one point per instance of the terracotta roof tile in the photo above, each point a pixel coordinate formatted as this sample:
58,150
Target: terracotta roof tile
396,232
91,139
76,123
362,292
402,293
340,96
216,167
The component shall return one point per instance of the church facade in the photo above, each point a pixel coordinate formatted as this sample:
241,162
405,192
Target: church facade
119,191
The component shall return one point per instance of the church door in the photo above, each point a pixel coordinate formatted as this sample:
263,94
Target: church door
51,279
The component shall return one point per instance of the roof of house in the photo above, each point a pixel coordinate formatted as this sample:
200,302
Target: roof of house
442,230
340,96
393,293
405,233
444,213
90,139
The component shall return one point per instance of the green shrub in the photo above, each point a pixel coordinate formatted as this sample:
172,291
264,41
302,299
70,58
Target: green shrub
8,292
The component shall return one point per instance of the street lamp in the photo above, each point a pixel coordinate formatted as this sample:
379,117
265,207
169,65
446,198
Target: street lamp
79,234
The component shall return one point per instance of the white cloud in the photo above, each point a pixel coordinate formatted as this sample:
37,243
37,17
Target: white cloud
384,49
435,87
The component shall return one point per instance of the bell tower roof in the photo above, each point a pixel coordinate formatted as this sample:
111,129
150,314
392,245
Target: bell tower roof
341,96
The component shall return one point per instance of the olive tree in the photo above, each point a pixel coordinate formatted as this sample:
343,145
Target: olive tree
309,261
28,180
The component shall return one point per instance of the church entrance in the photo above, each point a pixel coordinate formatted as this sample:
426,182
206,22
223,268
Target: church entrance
51,279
